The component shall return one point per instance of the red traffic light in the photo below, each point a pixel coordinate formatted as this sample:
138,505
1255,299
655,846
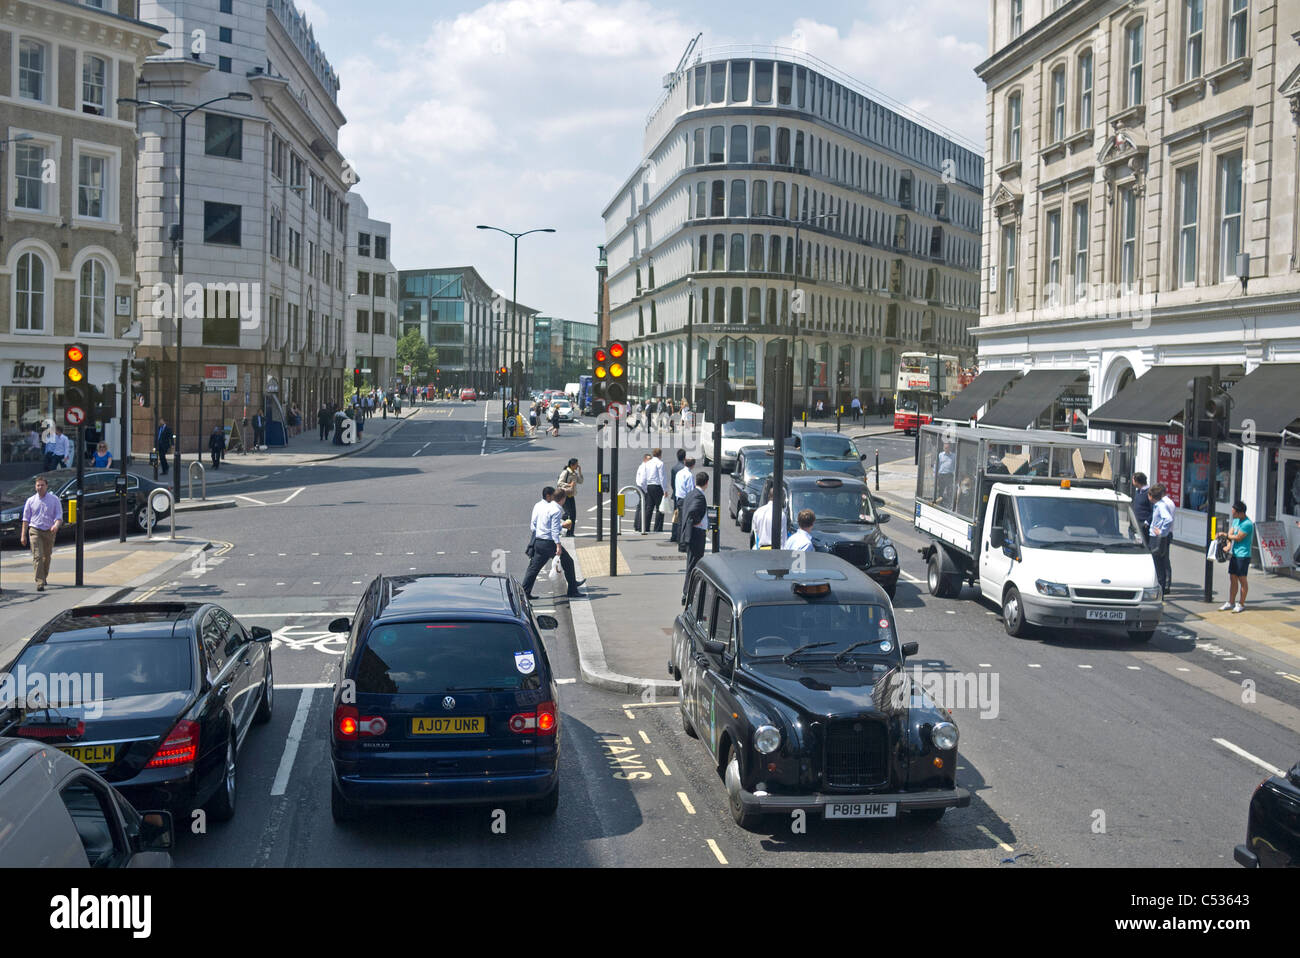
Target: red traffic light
616,350
601,356
75,354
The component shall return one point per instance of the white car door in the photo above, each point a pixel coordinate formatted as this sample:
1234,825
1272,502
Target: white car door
995,565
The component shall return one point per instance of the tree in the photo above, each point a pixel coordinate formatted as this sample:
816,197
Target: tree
412,350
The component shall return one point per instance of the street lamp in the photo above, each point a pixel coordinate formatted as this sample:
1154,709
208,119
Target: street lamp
794,263
180,110
690,338
514,298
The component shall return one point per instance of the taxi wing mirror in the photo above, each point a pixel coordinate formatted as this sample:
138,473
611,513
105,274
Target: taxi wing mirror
548,622
157,833
910,648
882,517
260,633
713,647
341,625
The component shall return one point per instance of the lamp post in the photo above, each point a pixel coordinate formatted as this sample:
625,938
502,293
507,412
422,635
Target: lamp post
184,113
794,263
690,338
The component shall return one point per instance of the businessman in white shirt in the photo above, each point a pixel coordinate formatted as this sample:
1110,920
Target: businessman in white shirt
546,527
762,522
801,539
656,482
642,481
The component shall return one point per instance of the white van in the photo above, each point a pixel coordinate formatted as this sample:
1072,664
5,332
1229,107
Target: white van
745,430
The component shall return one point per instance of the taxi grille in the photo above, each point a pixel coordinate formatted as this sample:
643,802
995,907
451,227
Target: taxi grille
854,553
855,754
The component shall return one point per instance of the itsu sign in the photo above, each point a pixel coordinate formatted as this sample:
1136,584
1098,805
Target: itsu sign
220,377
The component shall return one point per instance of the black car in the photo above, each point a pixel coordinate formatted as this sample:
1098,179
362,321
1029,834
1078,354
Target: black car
1273,829
445,695
848,522
794,682
830,451
179,686
753,467
99,501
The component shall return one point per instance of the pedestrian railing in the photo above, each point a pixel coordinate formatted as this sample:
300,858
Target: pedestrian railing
203,479
160,500
641,507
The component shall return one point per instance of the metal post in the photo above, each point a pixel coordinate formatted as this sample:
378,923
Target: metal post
877,470
719,403
1211,491
600,469
613,499
180,288
780,418
81,493
122,429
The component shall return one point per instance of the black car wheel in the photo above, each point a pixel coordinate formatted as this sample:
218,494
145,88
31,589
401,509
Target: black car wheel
740,815
222,805
687,727
141,518
263,714
747,521
1013,614
938,583
548,804
926,816
340,808
1142,635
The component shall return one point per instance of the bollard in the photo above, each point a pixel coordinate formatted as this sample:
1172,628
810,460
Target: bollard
877,470
203,479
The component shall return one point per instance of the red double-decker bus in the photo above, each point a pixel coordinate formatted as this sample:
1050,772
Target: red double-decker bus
925,383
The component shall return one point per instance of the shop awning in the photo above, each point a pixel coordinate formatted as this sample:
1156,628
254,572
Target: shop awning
1149,402
1269,397
967,403
1031,397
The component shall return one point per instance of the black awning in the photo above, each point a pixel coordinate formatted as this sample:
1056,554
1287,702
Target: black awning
1031,397
1269,397
1148,403
964,406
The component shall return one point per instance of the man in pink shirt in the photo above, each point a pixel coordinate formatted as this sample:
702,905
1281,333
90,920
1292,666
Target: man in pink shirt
42,516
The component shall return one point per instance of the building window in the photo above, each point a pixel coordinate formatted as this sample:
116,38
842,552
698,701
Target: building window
381,247
1085,91
381,284
94,86
701,84
223,136
363,244
1053,291
313,190
224,65
295,169
719,251
756,253
32,68
295,248
1017,17
226,6
276,235
763,82
1185,206
717,144
225,35
1237,16
1080,231
363,320
1058,105
739,80
697,139
718,198
1128,226
738,198
736,262
778,199
1194,31
762,144
379,324
29,162
1013,128
311,258
1008,268
760,198
739,144
92,298
717,82
363,283
1133,64
30,294
1230,201
221,224
221,317
92,183
277,156
784,84
783,146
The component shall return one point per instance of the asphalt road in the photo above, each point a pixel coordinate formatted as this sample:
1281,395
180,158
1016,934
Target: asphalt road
1078,749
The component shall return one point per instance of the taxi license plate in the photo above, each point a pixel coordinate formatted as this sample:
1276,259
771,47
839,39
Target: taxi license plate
862,810
92,754
1107,615
456,725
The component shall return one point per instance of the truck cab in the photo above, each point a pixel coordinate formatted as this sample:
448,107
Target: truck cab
1033,519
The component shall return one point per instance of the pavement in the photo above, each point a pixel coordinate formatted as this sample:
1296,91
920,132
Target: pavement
111,570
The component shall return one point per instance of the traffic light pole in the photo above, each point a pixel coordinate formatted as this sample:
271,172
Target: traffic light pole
780,422
600,469
613,498
126,408
719,408
81,493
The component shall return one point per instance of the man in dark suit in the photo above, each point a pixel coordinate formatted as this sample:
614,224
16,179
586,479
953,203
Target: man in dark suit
693,532
163,443
259,430
678,466
1141,503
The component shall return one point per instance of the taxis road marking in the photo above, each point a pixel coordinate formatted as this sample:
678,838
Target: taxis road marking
690,809
1271,769
663,768
645,738
1005,847
717,852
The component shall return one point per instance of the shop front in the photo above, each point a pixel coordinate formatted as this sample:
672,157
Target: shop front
1044,399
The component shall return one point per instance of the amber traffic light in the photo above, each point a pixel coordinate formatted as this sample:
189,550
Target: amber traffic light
616,383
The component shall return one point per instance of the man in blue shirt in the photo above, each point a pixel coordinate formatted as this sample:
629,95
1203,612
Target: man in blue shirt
1240,533
1141,504
1162,534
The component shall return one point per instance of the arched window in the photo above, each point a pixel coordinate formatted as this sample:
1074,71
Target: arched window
755,316
756,253
778,199
798,148
704,305
762,144
718,198
739,144
92,298
717,144
698,157
736,311
30,293
738,198
771,307
774,254
719,251
736,261
783,146
701,199
719,304
703,261
760,198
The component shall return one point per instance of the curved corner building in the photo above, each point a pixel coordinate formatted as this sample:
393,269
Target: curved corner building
770,180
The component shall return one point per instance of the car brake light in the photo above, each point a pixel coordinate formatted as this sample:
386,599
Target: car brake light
540,722
346,723
66,730
180,747
546,718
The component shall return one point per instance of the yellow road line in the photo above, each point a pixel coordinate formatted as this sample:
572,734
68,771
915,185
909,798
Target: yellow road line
717,852
645,738
690,809
1005,847
663,768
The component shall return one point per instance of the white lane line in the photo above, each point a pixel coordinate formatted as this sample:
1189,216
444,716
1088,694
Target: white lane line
663,768
1271,769
645,738
690,809
1034,665
628,714
291,743
1134,668
986,665
717,852
294,496
565,681
1005,847
1085,666
908,577
305,685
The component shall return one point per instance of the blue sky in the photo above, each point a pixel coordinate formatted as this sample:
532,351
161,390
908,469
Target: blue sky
530,113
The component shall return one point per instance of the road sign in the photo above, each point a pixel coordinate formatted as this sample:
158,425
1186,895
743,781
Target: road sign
406,369
616,409
220,377
75,415
225,395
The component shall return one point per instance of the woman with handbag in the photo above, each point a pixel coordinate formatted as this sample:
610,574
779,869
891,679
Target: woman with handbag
570,478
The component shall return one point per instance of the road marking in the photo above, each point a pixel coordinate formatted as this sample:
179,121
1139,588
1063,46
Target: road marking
908,577
315,583
1271,769
717,852
305,685
1085,666
291,743
565,681
1005,847
1134,668
648,705
1288,675
294,496
1034,665
628,714
663,768
986,665
1182,669
950,611
690,809
645,738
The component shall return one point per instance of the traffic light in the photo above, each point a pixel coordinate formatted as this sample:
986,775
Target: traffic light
1210,409
599,370
437,377
810,378
659,373
502,374
141,372
106,403
718,394
76,386
356,378
839,376
616,385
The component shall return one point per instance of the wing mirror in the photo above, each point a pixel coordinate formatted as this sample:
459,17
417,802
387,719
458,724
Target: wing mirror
156,831
910,648
882,517
997,537
713,647
548,622
341,625
862,456
260,633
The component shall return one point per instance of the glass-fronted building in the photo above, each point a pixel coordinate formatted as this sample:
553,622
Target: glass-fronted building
561,351
779,199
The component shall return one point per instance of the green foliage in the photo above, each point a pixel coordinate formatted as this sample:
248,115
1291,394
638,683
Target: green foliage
413,350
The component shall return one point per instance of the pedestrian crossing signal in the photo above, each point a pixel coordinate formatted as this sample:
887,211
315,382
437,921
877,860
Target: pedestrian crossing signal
599,369
356,378
616,380
77,399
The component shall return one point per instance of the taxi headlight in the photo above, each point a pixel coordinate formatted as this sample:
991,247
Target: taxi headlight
10,516
753,498
1152,594
767,739
944,736
1052,588
889,554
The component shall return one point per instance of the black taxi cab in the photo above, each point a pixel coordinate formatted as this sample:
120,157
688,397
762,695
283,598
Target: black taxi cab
791,674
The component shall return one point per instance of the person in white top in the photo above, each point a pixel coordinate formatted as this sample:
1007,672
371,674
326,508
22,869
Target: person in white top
801,539
547,527
762,522
656,478
685,481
